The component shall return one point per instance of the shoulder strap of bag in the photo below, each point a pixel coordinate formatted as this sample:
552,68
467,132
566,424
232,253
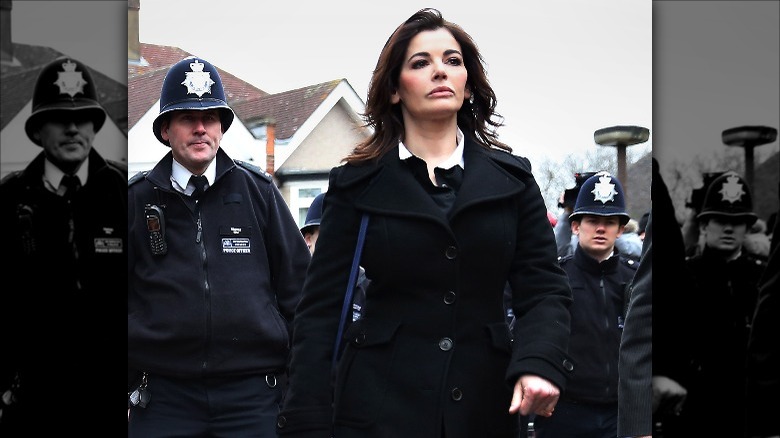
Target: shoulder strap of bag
350,285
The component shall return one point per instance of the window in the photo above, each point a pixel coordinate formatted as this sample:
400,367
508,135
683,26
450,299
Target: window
305,197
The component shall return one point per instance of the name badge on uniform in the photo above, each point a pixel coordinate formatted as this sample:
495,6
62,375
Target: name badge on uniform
106,244
235,240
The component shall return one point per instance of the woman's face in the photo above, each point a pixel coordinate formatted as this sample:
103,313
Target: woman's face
432,83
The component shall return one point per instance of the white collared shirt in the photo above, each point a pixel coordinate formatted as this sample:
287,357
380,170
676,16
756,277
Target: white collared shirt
180,176
52,176
454,160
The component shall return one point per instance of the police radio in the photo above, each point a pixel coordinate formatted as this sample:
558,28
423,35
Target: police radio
155,223
25,215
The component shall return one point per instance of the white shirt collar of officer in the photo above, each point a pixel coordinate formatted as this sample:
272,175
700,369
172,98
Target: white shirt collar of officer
180,176
456,159
52,175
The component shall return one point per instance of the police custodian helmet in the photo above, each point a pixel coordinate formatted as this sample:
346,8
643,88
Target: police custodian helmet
601,195
64,85
192,84
728,195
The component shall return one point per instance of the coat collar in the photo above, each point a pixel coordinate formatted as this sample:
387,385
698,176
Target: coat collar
35,169
389,189
589,264
160,175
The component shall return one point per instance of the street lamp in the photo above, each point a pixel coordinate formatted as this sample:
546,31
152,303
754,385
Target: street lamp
748,137
621,137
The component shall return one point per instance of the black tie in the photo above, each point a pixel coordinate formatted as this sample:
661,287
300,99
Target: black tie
200,183
71,184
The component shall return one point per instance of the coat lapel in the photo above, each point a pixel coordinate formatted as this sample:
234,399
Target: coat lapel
392,190
489,175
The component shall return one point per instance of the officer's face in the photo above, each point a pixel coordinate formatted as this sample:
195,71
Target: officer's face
194,137
723,233
66,139
597,234
311,236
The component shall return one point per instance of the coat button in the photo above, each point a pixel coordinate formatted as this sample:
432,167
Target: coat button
457,394
360,338
451,253
445,344
449,297
281,422
568,366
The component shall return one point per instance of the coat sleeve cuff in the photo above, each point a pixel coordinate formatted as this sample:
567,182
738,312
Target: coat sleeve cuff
557,371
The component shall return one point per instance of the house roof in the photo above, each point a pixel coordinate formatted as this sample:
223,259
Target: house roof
288,109
18,82
144,82
295,113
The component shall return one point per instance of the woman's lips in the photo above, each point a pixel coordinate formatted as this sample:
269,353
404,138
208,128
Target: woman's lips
441,91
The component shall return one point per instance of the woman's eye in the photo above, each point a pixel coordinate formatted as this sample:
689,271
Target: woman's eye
420,63
455,61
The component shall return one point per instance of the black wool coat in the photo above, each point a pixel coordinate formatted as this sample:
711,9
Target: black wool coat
432,349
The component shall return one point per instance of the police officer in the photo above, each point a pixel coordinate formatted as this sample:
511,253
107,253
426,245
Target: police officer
628,244
599,276
311,226
721,309
64,240
216,265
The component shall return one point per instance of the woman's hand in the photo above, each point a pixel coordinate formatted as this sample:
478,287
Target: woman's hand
534,394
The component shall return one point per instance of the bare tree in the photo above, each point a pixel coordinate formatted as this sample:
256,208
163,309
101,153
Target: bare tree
554,177
682,178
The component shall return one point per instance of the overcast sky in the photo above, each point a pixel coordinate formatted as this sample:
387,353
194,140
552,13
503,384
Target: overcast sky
716,66
92,31
560,69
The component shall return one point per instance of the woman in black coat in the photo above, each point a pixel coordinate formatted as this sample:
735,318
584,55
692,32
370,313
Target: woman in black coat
453,217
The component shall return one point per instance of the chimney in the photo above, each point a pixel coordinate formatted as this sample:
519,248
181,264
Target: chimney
270,143
133,39
6,45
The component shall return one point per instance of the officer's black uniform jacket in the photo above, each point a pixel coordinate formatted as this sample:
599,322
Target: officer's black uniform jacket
221,300
599,291
730,291
432,348
721,309
57,299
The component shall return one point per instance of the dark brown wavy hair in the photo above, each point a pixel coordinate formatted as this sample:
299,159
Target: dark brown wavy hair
477,117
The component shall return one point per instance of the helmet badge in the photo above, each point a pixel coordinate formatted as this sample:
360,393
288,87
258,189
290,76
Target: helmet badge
732,190
69,80
604,190
198,81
